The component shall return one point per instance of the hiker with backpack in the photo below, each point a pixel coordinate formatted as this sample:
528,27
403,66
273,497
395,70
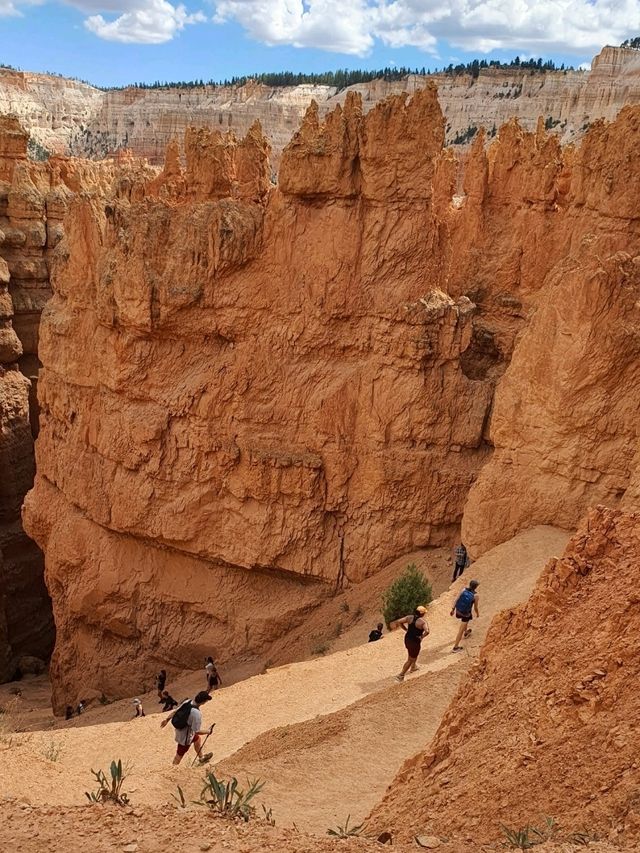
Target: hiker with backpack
416,629
187,722
466,604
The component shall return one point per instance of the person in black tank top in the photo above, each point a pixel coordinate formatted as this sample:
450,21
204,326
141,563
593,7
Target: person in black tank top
416,629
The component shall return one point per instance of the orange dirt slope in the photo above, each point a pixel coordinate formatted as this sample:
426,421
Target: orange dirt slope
546,724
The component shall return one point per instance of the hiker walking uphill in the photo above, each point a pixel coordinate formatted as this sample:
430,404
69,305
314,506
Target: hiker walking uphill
213,676
416,629
466,604
187,722
461,560
161,680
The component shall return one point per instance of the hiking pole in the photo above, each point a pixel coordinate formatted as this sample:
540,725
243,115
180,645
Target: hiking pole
197,758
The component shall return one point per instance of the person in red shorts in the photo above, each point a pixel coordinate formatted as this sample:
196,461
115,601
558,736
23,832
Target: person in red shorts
187,721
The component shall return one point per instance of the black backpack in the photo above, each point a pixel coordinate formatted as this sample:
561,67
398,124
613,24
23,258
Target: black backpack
180,719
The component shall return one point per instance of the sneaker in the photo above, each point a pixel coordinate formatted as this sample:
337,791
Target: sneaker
456,649
399,677
414,668
204,758
467,633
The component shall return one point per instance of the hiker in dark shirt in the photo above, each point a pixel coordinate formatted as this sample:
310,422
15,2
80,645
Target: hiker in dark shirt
416,629
213,676
466,602
168,702
461,559
376,634
161,680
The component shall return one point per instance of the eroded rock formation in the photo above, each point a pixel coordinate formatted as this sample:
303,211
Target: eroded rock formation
33,202
69,117
26,625
564,424
545,723
264,385
281,389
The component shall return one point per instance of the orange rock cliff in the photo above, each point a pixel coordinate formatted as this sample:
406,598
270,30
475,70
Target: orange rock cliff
33,202
252,394
67,116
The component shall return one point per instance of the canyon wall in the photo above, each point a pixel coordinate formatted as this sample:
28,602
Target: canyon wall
33,202
527,709
66,116
254,394
26,624
250,396
565,423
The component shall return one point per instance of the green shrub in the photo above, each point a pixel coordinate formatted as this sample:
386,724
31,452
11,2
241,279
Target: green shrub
227,799
109,791
518,839
346,831
405,594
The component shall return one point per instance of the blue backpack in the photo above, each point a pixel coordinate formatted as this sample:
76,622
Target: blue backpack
465,601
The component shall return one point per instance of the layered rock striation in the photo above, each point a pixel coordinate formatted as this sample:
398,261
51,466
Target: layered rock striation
565,423
544,725
67,116
33,203
252,394
26,624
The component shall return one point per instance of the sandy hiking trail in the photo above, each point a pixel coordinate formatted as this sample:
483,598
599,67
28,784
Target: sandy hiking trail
323,769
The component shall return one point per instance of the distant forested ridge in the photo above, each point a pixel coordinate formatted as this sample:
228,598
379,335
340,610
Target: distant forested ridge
342,78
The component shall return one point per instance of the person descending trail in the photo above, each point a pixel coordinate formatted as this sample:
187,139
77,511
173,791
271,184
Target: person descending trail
416,628
139,709
213,676
167,701
461,560
376,634
187,721
161,680
466,602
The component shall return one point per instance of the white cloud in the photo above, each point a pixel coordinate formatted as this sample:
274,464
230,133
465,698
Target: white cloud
10,9
146,22
537,26
337,25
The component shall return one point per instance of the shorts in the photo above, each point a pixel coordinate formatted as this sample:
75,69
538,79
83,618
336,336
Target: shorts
412,647
466,617
183,749
212,681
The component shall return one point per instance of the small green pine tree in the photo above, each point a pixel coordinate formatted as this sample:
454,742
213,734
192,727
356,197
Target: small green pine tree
405,594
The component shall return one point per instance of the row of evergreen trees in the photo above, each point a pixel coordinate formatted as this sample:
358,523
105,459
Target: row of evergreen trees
343,77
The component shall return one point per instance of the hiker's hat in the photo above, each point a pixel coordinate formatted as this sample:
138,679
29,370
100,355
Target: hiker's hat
137,702
421,609
201,697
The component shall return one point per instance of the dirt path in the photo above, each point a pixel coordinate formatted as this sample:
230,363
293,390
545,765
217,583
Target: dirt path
290,695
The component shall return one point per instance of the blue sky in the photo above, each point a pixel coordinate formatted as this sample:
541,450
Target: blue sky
113,42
